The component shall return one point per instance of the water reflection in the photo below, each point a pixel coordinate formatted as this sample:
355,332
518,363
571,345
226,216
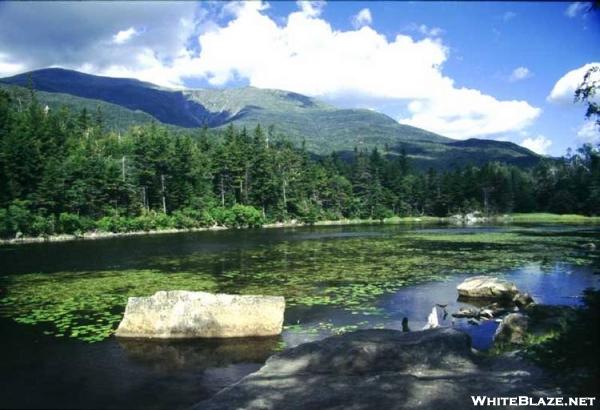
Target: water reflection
166,356
561,285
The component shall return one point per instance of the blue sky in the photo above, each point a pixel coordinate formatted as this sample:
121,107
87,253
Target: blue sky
462,69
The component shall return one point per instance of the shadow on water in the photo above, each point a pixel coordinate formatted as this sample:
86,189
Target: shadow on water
43,372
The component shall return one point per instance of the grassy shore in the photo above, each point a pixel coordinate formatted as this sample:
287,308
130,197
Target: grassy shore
553,218
533,218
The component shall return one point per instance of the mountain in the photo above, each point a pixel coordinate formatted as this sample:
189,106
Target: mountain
323,127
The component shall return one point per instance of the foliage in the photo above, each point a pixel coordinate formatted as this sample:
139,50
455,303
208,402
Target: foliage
587,91
62,170
16,219
572,351
73,224
243,216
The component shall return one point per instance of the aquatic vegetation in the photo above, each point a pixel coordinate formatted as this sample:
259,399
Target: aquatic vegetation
351,273
85,305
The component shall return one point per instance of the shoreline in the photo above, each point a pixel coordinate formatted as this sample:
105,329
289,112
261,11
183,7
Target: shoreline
99,235
458,220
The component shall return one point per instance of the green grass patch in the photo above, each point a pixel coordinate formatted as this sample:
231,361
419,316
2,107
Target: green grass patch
553,218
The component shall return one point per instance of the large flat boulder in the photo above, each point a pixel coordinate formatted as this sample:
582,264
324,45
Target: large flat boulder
487,287
381,369
182,314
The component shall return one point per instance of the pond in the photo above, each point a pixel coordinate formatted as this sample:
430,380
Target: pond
60,302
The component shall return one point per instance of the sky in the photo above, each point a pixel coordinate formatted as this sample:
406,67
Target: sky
494,70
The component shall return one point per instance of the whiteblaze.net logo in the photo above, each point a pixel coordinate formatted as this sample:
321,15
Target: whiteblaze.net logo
485,401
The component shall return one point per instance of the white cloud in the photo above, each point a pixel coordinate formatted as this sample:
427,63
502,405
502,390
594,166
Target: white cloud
509,15
124,36
465,113
401,75
564,89
362,18
519,73
79,35
539,144
8,68
308,56
431,31
425,30
576,8
310,8
589,132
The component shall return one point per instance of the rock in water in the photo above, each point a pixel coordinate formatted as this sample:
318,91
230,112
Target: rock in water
182,314
512,329
467,312
487,287
522,300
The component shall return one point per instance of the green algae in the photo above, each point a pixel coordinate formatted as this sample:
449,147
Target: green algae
350,273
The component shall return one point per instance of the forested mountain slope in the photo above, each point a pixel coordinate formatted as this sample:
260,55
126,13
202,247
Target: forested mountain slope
322,127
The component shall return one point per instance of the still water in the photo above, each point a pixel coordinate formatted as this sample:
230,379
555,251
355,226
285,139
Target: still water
60,302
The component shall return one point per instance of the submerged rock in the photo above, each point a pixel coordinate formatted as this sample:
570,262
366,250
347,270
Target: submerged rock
381,369
182,314
512,329
487,287
487,312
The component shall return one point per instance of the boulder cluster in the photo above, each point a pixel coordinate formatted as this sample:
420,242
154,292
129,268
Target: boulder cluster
508,304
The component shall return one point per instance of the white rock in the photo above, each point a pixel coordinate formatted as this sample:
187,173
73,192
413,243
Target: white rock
183,314
487,287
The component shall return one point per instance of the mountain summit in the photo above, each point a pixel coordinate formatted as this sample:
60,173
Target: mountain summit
323,127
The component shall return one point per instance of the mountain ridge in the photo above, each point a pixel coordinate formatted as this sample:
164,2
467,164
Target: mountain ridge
321,126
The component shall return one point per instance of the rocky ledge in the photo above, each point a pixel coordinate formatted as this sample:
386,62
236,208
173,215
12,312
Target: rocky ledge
382,369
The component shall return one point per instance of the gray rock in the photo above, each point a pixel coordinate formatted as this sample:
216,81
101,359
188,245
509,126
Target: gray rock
522,300
513,329
466,312
487,312
182,314
487,287
380,369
